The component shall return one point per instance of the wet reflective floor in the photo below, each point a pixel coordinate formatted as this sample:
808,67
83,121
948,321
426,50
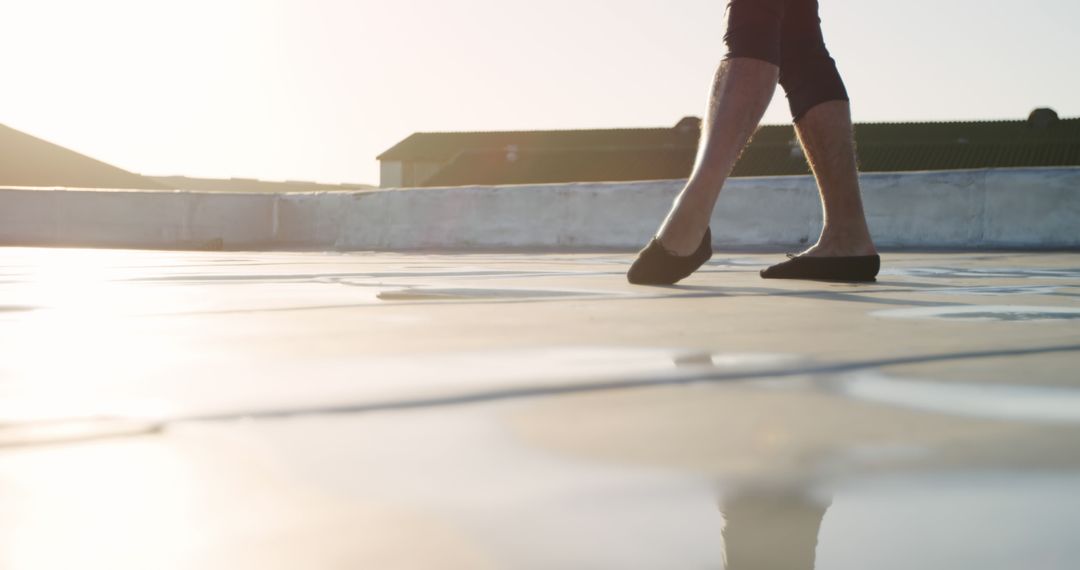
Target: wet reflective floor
379,410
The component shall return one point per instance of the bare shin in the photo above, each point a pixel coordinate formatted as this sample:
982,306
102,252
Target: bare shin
741,92
826,134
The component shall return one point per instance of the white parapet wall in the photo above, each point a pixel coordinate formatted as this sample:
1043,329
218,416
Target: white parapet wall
994,208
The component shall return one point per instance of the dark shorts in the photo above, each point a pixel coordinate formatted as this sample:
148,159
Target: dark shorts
786,33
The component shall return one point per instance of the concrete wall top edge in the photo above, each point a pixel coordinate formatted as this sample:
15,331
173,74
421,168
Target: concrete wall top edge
181,192
576,185
745,179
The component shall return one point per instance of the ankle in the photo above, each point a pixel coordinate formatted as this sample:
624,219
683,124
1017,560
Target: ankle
845,242
850,233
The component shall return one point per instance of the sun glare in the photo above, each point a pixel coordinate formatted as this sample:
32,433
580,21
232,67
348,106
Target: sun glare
75,325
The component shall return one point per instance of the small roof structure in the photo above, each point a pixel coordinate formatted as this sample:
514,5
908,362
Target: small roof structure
442,147
531,157
485,167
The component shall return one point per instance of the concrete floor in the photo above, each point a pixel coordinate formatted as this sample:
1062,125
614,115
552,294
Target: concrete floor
381,410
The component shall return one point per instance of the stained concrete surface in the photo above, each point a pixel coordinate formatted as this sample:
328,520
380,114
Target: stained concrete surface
382,410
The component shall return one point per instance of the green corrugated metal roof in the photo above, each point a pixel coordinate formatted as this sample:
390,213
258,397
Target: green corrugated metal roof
646,154
894,147
560,166
445,146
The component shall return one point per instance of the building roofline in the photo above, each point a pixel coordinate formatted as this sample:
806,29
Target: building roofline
399,151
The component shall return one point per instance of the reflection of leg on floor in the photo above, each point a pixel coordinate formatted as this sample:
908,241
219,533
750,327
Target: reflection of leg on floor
772,531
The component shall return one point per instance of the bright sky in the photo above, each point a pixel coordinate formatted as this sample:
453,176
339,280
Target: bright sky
315,89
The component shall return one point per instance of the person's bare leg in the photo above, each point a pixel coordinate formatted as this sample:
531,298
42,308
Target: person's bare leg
825,132
741,93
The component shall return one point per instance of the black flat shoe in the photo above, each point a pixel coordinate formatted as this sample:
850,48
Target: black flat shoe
657,266
857,268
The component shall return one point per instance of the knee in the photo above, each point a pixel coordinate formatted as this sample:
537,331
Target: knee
809,76
754,29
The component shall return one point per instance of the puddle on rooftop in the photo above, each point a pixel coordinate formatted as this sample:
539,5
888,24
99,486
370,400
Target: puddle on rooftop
1007,313
1031,404
735,361
428,380
740,262
999,273
462,293
526,506
16,308
986,520
996,291
589,512
37,433
932,521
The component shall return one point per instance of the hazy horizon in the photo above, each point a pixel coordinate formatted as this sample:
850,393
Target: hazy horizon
315,90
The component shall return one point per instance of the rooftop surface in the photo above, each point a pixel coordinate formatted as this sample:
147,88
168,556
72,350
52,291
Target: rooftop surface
383,410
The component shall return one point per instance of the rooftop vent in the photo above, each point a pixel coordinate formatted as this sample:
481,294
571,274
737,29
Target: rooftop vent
1042,118
688,125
